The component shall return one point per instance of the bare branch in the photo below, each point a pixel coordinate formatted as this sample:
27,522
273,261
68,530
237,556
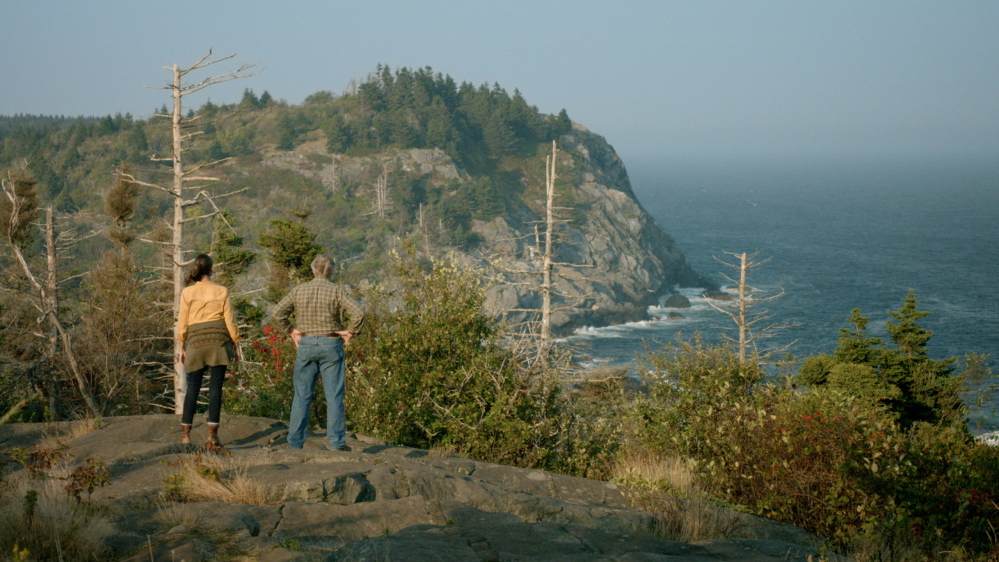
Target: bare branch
199,217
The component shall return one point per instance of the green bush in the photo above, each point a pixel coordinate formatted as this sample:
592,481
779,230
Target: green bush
692,387
833,463
263,384
429,371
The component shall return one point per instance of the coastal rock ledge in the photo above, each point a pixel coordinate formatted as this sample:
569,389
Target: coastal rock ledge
375,502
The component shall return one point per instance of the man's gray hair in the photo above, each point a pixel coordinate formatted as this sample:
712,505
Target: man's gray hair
322,266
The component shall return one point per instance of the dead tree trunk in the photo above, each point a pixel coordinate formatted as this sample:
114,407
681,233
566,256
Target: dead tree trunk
749,323
741,320
547,261
51,283
47,302
183,183
544,254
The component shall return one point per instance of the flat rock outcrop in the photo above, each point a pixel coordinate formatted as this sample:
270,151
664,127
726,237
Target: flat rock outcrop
375,502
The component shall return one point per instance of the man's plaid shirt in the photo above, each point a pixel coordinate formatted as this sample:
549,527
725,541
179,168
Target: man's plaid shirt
320,307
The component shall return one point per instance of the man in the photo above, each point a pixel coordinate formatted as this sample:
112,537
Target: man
326,318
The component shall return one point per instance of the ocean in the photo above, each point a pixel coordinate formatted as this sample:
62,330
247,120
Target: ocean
838,234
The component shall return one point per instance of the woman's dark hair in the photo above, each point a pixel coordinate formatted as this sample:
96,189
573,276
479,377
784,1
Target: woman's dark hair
202,266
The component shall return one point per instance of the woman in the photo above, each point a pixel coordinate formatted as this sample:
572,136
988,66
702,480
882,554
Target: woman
210,342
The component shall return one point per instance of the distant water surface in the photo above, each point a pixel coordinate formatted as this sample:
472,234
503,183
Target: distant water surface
840,235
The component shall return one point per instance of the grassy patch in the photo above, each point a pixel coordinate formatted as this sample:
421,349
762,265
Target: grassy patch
202,478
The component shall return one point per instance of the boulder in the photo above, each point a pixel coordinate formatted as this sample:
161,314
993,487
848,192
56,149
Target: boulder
717,295
677,301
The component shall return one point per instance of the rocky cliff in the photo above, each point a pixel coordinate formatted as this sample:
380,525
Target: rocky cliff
626,260
622,259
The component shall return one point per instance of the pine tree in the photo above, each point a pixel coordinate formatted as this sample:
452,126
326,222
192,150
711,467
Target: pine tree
119,335
855,346
499,137
286,133
909,337
901,378
338,134
930,388
560,125
291,247
227,248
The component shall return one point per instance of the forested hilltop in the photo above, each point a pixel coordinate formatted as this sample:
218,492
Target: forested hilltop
407,155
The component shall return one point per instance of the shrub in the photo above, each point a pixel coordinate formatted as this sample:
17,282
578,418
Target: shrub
826,460
262,384
692,386
430,371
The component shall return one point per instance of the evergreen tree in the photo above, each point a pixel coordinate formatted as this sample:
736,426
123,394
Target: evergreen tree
291,247
286,133
118,337
901,378
930,389
499,137
560,125
215,151
909,337
441,132
855,346
402,134
338,134
249,100
227,248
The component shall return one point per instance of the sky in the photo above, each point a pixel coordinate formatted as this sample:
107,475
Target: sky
657,78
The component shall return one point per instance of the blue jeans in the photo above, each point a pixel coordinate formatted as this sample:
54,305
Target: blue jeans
318,355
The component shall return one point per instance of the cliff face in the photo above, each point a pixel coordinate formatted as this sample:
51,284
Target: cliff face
622,259
627,260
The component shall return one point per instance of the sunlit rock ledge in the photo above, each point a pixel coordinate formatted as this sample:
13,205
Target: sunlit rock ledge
377,501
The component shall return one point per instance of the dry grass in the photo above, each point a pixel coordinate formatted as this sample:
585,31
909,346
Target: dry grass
55,527
443,452
57,433
667,488
671,474
215,479
171,515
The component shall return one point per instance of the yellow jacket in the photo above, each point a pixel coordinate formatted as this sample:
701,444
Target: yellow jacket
205,301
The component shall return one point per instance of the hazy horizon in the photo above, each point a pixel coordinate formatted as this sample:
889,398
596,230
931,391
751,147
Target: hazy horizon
719,78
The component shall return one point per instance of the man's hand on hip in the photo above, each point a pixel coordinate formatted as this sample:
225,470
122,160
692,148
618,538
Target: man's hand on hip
296,336
345,336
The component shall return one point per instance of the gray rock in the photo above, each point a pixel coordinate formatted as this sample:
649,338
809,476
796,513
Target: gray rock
677,301
379,501
184,549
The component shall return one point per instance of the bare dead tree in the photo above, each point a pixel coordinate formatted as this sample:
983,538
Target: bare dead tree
188,187
544,252
18,210
381,194
751,325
